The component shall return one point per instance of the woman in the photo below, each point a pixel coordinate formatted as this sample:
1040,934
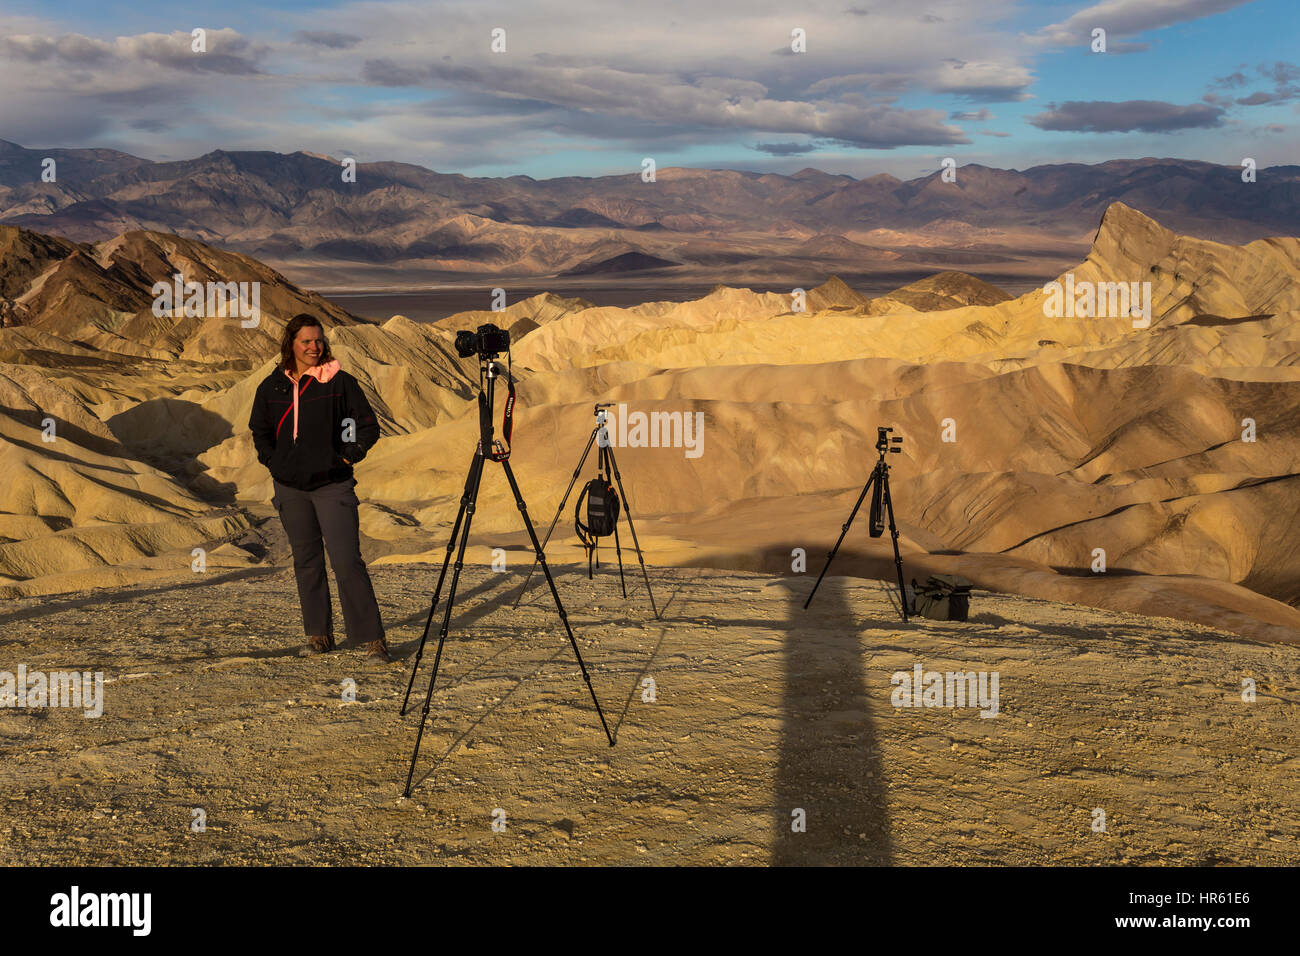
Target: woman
311,423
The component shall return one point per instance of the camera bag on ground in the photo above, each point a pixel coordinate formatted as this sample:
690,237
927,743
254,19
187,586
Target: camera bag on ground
943,597
602,514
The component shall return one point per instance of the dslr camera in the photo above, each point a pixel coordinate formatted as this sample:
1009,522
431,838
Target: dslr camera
488,342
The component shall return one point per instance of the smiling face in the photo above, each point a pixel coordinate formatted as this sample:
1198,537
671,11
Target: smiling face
308,345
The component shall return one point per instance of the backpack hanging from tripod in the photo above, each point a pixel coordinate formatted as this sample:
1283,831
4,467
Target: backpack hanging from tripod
602,501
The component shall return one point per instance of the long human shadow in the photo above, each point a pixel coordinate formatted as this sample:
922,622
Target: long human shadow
829,764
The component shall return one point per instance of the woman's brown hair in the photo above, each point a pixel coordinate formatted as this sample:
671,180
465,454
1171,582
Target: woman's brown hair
296,324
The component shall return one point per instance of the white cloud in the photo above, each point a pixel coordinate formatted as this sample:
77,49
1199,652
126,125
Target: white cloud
418,80
1125,18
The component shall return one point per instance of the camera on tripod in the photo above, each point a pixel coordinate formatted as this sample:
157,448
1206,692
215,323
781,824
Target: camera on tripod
884,445
882,508
488,342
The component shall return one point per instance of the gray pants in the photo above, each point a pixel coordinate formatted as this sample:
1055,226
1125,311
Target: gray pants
327,519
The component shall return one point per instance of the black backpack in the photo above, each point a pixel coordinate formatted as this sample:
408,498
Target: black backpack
945,597
602,514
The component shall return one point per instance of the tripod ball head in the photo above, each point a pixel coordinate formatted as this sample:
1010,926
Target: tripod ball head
886,444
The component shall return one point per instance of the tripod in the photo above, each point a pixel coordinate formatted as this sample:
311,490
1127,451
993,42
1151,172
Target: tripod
497,450
882,502
605,465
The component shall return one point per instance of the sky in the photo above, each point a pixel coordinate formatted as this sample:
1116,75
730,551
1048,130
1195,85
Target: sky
593,87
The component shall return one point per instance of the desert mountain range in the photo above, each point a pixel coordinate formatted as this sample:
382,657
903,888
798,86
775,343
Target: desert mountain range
1172,447
401,223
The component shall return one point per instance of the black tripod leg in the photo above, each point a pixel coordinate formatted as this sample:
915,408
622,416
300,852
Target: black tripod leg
627,510
843,532
564,618
558,511
476,475
619,551
898,558
451,544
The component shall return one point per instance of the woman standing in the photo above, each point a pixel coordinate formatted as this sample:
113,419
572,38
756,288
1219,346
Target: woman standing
311,423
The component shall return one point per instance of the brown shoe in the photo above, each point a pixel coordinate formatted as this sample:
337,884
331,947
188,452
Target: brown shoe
317,644
377,652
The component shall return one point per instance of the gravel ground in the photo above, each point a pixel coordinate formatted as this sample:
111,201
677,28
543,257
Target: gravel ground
763,715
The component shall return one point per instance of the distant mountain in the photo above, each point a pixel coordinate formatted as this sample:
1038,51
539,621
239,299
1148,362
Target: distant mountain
1077,431
947,290
296,209
22,167
626,262
101,296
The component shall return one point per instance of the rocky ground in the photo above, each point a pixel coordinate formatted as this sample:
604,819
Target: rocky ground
760,709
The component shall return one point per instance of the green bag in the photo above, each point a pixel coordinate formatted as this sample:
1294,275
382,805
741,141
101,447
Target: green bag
944,597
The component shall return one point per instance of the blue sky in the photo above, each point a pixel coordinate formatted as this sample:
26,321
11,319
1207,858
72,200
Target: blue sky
589,88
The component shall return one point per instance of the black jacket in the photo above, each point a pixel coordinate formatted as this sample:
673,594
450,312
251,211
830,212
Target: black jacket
317,457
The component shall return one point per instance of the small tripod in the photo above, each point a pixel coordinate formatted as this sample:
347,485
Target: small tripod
497,450
881,502
605,465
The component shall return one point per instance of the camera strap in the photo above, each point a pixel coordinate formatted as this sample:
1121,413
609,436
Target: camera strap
499,449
